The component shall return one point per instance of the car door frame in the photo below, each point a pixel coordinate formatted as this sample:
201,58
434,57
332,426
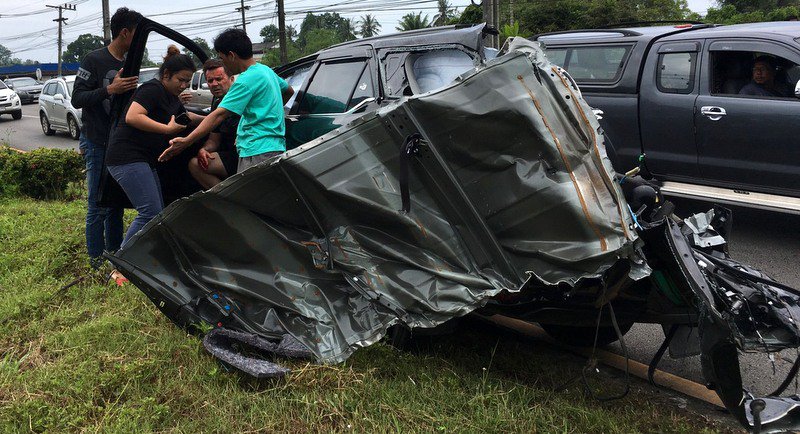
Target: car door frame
744,169
353,54
670,153
58,115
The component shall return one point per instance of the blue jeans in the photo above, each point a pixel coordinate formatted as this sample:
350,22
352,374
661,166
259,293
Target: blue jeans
142,186
103,225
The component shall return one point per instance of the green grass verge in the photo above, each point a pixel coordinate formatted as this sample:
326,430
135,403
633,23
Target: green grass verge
97,358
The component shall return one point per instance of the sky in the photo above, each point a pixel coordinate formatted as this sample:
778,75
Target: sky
27,29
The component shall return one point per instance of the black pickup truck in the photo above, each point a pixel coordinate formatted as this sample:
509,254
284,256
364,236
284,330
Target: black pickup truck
672,95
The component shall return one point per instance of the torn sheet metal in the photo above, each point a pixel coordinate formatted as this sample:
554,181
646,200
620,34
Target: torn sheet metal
506,180
702,231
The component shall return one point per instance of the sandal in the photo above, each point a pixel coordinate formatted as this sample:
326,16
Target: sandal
117,277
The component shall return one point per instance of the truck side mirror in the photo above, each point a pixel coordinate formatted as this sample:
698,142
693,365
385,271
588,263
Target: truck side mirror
204,86
797,89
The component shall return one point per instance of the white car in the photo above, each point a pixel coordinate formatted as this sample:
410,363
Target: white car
56,112
10,102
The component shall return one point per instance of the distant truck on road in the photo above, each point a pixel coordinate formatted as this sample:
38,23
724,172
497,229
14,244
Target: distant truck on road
671,94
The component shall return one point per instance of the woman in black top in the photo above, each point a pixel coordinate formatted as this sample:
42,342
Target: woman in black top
144,132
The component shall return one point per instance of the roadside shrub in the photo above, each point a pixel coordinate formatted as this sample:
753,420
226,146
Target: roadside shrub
41,174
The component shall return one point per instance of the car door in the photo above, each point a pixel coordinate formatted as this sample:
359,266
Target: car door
666,109
339,91
46,100
59,105
748,142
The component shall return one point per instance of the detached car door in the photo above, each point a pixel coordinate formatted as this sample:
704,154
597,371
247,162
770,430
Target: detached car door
749,142
339,91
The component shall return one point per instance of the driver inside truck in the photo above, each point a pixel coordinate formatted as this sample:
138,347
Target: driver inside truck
763,81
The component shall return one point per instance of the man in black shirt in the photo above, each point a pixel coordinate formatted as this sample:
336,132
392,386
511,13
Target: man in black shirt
217,159
98,78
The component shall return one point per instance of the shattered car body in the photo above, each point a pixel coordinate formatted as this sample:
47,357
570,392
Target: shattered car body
491,194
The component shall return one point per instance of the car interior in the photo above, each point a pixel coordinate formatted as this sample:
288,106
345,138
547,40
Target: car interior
732,70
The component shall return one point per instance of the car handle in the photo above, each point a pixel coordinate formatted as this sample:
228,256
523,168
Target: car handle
713,112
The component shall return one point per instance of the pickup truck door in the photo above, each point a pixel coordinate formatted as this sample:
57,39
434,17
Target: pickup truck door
748,142
338,92
668,92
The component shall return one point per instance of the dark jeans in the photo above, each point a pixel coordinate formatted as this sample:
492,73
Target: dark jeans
103,225
142,186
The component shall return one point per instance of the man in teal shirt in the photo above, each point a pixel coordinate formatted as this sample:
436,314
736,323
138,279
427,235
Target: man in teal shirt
257,95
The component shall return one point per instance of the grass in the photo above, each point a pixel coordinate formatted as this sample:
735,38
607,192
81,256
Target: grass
97,358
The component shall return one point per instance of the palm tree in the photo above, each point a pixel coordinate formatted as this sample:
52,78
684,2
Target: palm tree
445,13
411,21
368,26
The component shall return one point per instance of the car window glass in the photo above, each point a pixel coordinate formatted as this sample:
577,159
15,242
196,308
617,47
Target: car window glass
557,55
733,74
439,68
675,73
60,89
147,75
296,80
70,87
331,87
201,80
24,81
50,89
3,85
364,89
596,64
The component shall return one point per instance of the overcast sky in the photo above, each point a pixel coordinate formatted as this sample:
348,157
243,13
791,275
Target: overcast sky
27,29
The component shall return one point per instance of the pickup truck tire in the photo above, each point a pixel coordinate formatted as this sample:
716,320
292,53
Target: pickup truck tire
17,115
584,336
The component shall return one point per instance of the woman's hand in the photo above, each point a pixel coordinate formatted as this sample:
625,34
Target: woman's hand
174,127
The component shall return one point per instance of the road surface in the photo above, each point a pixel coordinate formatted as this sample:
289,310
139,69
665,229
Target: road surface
26,134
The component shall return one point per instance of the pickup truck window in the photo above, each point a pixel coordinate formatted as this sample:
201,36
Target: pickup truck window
733,74
675,73
592,64
332,87
435,69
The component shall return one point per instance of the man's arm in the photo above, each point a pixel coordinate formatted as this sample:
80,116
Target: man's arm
286,94
89,90
211,145
210,123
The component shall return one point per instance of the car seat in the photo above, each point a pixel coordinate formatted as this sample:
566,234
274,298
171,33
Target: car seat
737,74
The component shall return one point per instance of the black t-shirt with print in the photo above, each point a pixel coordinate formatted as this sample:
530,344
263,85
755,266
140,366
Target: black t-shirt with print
131,145
96,72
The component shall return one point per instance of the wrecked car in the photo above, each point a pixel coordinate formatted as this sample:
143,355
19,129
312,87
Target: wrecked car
412,205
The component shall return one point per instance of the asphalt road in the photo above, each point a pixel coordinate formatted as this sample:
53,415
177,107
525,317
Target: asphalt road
769,241
26,134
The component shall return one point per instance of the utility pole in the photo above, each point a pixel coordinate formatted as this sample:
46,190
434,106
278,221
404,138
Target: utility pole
242,9
282,32
489,18
106,24
61,20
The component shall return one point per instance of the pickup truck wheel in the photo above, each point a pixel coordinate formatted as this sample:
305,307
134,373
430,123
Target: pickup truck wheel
17,115
584,336
46,125
74,129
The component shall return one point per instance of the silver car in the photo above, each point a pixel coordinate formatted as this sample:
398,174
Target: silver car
56,112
